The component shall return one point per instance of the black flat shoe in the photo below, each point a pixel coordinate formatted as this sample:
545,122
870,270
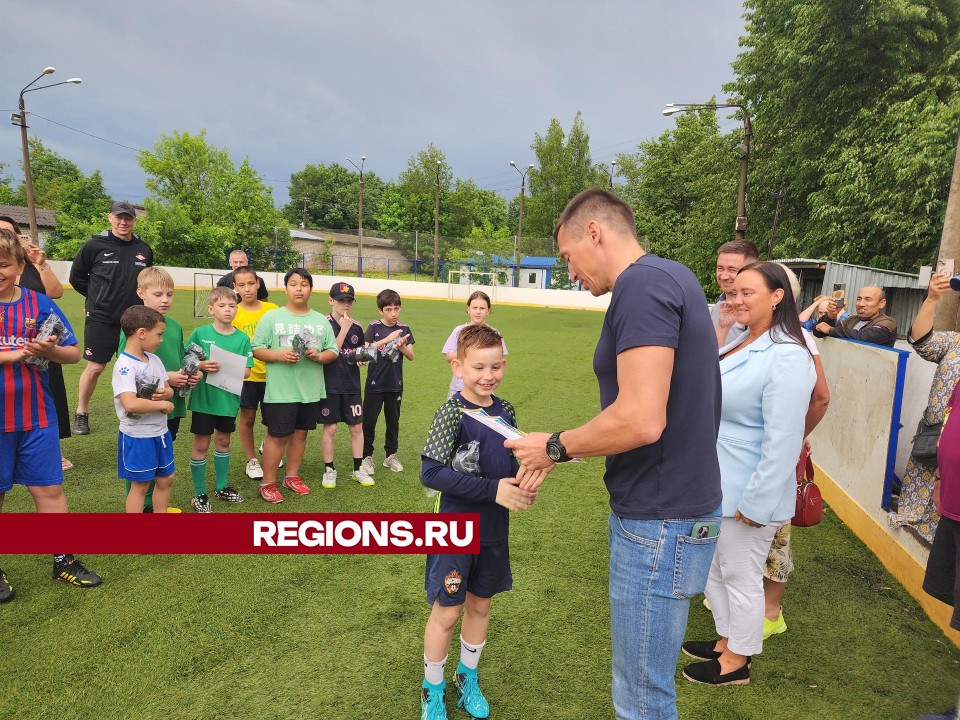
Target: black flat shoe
708,673
701,650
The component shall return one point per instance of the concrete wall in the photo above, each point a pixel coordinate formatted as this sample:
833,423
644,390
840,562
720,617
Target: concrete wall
577,300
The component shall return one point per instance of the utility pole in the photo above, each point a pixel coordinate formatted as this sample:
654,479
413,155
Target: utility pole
436,226
363,159
946,315
303,223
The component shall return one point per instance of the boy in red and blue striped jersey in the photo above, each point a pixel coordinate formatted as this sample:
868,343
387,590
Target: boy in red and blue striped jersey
29,437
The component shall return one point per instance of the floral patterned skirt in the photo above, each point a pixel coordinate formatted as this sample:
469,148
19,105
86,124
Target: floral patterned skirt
916,509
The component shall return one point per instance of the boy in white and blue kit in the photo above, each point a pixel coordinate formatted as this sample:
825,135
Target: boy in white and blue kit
141,396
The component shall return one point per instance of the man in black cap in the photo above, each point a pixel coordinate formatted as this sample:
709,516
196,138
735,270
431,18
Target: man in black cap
105,272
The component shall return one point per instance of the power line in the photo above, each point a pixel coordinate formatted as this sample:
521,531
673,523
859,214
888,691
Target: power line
83,132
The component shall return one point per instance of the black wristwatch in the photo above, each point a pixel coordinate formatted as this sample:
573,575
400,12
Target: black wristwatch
555,449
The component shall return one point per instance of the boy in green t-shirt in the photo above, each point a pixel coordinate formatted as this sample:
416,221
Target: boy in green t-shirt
214,410
295,342
155,288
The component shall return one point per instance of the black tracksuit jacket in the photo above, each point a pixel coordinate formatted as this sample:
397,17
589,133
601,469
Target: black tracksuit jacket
105,272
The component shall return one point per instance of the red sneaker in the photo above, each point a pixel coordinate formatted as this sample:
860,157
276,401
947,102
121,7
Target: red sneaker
293,482
271,494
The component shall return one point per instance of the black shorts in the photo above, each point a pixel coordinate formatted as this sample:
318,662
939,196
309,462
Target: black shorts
942,579
450,577
100,340
282,419
251,396
345,408
202,423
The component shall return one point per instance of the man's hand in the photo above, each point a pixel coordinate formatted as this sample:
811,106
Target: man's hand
726,316
532,479
832,310
531,451
825,328
511,496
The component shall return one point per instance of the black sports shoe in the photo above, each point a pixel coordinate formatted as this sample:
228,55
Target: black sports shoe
70,570
81,424
201,503
6,589
229,494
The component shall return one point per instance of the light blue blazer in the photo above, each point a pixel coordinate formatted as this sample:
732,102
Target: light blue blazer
766,393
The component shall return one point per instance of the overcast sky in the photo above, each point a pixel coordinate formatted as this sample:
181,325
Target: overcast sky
291,82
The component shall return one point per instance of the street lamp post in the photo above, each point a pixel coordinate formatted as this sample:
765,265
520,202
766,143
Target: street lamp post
436,225
22,118
363,159
743,149
613,171
518,245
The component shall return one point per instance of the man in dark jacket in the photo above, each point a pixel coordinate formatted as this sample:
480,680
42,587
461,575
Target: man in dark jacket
105,272
238,259
868,325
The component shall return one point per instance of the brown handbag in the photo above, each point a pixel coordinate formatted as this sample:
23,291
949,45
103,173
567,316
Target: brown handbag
809,501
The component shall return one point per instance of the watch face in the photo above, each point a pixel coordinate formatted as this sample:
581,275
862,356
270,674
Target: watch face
553,452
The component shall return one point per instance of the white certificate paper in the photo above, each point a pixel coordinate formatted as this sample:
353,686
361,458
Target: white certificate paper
232,368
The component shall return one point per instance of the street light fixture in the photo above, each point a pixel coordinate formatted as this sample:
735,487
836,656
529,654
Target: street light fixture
363,159
743,150
436,225
22,119
518,245
613,171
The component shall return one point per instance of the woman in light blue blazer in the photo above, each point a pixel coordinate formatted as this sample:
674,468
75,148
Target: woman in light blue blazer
768,376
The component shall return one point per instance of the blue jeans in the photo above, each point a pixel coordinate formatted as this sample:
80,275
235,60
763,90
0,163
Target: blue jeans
655,568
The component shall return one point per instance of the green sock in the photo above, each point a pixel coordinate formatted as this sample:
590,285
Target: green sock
198,471
221,463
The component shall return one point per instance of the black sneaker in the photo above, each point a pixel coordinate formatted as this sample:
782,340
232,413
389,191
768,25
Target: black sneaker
70,570
201,503
229,494
81,424
708,673
6,589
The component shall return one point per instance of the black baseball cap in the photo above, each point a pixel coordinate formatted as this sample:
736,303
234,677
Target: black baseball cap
341,290
123,208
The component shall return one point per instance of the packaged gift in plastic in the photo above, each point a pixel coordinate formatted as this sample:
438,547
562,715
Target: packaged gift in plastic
365,354
147,385
193,355
51,327
391,350
305,341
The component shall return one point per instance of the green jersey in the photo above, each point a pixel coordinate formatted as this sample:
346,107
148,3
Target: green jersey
301,382
170,353
204,397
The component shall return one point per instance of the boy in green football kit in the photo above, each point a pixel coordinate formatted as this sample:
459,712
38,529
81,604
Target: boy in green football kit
295,342
155,288
214,409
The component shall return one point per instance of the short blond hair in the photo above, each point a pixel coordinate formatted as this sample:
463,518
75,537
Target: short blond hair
221,293
152,277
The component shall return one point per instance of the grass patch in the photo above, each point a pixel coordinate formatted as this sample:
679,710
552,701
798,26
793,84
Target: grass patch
341,636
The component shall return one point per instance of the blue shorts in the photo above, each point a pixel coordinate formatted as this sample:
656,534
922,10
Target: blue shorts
143,459
30,457
450,577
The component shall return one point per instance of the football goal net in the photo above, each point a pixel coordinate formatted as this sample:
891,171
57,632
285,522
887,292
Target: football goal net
203,283
462,282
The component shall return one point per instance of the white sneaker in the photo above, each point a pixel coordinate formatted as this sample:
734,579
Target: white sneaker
329,479
392,463
260,450
367,465
254,471
362,477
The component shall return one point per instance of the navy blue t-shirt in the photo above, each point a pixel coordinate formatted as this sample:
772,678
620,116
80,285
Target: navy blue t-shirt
466,460
660,302
340,377
385,376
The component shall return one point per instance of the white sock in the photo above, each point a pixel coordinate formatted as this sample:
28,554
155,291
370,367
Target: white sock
470,654
433,671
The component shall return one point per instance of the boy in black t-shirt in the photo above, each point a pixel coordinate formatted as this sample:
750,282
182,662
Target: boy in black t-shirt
385,381
466,461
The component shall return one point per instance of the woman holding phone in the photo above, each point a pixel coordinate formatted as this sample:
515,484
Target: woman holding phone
768,376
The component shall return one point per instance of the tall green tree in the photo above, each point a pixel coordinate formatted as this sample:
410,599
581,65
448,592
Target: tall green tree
855,110
80,210
50,172
683,187
332,194
563,168
202,205
7,194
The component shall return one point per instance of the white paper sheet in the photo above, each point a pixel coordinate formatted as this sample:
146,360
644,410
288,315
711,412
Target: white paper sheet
232,368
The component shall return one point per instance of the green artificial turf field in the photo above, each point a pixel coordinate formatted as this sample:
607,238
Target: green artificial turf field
303,636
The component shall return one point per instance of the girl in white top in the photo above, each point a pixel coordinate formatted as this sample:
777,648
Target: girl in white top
478,307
